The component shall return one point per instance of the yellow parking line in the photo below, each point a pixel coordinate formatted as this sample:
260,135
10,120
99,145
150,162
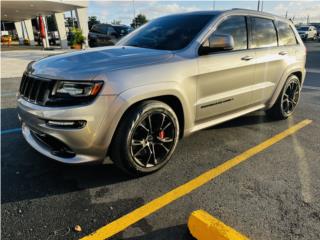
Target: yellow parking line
203,226
127,220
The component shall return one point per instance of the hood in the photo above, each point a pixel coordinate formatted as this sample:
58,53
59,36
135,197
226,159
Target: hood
85,65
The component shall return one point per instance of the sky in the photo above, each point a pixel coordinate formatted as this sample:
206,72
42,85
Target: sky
107,11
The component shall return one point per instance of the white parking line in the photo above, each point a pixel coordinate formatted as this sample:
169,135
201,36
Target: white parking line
8,94
311,88
313,70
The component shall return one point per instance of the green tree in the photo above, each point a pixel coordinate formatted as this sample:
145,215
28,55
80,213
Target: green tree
139,20
92,20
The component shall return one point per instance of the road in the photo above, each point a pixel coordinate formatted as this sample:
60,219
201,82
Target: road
273,195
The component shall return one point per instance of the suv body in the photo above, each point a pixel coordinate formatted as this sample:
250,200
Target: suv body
106,34
307,32
82,106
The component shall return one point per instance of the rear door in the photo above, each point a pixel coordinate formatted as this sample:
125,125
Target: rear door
271,60
225,78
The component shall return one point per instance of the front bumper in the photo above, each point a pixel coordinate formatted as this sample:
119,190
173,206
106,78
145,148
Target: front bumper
78,145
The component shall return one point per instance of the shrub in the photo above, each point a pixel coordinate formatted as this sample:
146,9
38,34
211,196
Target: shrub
77,36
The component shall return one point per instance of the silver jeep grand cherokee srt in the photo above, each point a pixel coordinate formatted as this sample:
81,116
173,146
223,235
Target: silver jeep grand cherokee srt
171,77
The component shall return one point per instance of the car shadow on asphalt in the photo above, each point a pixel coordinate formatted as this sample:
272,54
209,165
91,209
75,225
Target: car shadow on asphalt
179,232
26,174
254,118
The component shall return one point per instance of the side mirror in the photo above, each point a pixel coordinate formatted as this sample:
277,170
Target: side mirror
216,43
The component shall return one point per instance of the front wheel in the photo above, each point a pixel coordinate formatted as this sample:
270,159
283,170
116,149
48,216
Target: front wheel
287,100
145,138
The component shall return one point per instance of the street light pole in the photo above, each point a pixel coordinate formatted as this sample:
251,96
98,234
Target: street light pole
134,13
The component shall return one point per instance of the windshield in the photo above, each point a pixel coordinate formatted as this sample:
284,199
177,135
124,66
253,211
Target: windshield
168,33
303,28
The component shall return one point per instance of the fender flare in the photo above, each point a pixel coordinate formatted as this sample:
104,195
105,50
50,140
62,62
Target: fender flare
289,71
128,98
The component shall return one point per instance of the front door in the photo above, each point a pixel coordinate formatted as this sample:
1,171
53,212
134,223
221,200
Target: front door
225,77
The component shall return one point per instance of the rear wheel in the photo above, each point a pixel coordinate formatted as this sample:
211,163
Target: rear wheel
146,138
287,100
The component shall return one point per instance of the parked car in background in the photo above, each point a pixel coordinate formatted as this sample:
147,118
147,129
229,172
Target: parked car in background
106,34
53,38
135,100
307,32
317,26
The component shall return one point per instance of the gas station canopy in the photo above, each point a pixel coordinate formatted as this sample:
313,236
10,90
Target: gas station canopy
15,11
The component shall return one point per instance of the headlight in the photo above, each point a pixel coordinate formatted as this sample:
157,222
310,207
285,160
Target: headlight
29,66
76,89
70,93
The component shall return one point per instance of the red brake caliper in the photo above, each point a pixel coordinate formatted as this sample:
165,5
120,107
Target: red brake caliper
161,134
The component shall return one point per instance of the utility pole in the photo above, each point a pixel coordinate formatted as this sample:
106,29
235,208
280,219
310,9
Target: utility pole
258,8
213,4
134,13
308,19
286,14
72,19
262,5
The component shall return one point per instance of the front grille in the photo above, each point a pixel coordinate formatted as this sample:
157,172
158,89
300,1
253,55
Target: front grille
35,90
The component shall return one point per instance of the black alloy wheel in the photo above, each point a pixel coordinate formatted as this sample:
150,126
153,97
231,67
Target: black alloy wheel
290,97
152,139
145,138
287,100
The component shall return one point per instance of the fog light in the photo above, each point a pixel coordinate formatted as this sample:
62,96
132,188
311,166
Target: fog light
66,124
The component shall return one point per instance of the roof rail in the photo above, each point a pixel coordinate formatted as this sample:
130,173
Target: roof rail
242,9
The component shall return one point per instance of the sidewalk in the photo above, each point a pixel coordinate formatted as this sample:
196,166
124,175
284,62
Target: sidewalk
13,63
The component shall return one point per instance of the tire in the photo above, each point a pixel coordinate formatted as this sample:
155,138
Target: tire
287,100
140,148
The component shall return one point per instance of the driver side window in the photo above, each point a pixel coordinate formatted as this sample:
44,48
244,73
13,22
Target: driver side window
235,26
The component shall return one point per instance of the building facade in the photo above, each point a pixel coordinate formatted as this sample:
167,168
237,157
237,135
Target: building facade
22,12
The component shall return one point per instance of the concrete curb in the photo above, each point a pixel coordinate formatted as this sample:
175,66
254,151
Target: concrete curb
203,226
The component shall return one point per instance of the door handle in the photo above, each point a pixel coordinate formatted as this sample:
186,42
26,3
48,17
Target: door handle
246,58
283,53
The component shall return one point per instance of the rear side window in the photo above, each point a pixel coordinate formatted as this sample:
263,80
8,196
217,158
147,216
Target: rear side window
286,34
111,31
236,27
263,33
94,28
99,28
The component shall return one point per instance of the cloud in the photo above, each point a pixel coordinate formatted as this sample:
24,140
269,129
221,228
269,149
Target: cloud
107,11
154,9
300,10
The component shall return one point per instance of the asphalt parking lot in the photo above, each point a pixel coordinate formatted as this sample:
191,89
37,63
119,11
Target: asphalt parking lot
273,195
